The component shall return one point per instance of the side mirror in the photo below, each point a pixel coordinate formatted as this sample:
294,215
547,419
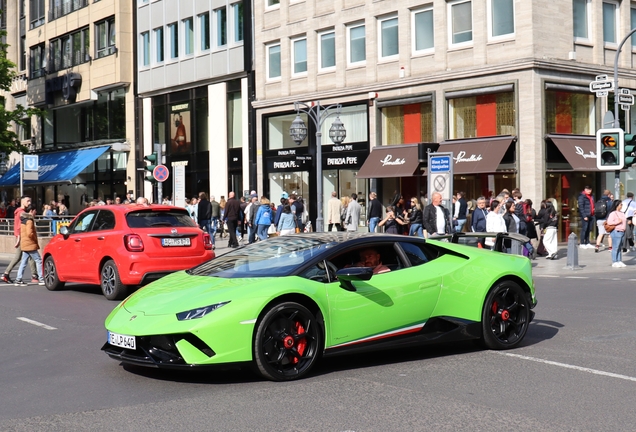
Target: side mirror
347,275
64,231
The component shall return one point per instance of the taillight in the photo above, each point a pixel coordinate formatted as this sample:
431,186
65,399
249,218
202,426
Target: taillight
133,243
207,242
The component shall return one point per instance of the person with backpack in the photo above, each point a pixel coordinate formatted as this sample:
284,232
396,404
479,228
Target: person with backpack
600,214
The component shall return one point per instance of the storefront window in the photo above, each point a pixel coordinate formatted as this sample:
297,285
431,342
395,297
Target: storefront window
481,116
291,182
201,131
234,120
355,122
407,124
180,132
569,113
278,132
344,182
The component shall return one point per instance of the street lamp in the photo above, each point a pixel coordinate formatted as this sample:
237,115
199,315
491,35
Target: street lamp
298,133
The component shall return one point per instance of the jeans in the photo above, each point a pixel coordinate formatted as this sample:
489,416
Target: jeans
25,258
586,227
373,223
416,229
17,258
617,252
262,231
231,229
205,224
251,233
460,225
214,223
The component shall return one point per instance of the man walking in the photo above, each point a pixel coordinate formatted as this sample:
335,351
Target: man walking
460,210
250,215
436,217
353,214
478,221
374,214
586,212
25,201
629,207
333,212
215,214
232,209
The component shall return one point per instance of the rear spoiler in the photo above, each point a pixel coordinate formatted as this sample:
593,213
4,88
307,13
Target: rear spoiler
516,240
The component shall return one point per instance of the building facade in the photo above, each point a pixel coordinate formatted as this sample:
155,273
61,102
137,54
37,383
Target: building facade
503,84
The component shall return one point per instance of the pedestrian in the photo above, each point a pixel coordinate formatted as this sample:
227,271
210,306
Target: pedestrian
242,224
586,212
29,246
222,203
391,221
399,210
279,210
436,218
297,208
618,220
215,215
25,202
601,210
415,219
231,216
352,219
495,222
286,222
344,202
478,219
531,230
374,212
193,209
629,207
460,210
250,216
11,208
549,223
204,215
263,218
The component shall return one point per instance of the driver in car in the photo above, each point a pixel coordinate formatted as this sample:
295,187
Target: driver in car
369,257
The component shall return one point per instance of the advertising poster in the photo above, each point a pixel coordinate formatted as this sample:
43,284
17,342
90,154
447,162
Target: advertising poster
180,132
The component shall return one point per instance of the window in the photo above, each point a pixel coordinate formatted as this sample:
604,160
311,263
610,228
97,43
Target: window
354,118
204,31
36,13
327,49
407,124
58,8
580,14
271,3
105,35
388,35
299,56
569,113
38,61
174,40
158,33
423,30
633,23
221,26
461,22
234,120
482,115
23,55
610,15
237,11
273,61
501,18
188,36
69,50
145,49
356,44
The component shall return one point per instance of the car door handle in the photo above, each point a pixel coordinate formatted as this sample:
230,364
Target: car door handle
78,240
100,238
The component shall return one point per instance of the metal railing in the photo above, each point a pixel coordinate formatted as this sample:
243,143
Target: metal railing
45,226
511,243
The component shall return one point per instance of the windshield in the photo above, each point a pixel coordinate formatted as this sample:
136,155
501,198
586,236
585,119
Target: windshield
278,256
159,218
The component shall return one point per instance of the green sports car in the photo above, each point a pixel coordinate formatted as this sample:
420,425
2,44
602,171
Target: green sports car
280,304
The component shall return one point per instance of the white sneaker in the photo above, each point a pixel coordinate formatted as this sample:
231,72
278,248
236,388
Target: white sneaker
591,246
615,264
621,264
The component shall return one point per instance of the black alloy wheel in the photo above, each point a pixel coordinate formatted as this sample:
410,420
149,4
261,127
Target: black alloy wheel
288,342
51,278
112,288
505,317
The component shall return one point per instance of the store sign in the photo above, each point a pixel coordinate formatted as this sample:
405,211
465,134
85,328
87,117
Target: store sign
388,160
579,151
344,159
461,157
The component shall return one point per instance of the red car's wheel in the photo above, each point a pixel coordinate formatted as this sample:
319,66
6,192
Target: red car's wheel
112,288
505,317
288,342
51,278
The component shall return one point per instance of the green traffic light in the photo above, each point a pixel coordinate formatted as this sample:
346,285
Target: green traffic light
152,158
630,149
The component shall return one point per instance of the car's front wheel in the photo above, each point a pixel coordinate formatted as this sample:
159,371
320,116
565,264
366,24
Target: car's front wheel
51,278
288,342
112,288
506,316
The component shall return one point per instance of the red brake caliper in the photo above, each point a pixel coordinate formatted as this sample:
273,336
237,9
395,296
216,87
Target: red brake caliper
302,344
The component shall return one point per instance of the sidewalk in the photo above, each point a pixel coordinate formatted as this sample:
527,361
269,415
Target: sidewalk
588,260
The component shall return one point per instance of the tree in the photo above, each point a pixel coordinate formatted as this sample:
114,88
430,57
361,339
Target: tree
9,141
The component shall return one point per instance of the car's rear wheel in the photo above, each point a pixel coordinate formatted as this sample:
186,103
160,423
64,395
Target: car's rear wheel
51,278
112,288
506,316
288,342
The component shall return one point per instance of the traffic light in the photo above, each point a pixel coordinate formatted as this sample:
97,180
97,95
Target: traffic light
609,149
153,159
630,150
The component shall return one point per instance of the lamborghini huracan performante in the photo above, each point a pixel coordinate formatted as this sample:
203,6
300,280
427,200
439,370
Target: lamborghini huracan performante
280,304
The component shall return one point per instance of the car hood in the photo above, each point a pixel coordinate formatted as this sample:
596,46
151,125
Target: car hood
180,292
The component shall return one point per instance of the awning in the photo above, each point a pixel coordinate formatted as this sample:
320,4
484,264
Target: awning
578,150
59,167
390,161
477,155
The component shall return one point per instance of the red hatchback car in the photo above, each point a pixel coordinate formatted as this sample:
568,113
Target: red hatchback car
122,246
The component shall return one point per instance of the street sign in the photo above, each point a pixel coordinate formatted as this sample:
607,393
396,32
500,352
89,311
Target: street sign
626,99
440,176
602,94
596,86
624,91
625,107
161,173
440,164
31,163
601,78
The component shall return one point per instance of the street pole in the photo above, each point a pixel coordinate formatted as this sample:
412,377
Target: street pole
21,175
617,122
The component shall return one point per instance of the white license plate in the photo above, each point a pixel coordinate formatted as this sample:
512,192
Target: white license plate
175,241
122,341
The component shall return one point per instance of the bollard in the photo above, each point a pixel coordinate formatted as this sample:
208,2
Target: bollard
573,253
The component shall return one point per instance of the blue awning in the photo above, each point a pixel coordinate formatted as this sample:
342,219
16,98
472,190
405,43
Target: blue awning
59,167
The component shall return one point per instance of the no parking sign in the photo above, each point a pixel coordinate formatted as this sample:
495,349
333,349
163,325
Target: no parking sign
161,173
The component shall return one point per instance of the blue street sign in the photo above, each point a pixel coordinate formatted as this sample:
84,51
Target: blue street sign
440,164
160,173
31,163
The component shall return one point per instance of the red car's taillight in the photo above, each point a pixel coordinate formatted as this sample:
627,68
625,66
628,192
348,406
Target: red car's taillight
133,243
207,242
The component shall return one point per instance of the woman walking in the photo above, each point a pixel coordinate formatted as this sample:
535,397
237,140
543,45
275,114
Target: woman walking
494,222
415,218
286,222
263,218
618,220
549,222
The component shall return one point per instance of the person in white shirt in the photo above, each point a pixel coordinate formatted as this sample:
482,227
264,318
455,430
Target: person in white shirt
629,208
494,221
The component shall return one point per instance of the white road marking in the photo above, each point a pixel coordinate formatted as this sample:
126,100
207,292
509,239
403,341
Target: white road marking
39,324
576,277
547,276
569,366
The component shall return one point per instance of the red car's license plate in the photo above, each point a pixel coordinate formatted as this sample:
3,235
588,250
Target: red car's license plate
175,242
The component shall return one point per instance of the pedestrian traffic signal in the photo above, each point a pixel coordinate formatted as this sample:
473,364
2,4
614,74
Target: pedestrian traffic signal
153,159
630,150
610,155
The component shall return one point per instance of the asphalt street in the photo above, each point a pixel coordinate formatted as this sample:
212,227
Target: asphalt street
574,371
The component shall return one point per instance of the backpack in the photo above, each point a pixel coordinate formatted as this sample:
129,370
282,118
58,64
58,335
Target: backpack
600,209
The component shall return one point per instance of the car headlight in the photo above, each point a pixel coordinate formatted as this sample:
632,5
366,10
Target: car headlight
199,312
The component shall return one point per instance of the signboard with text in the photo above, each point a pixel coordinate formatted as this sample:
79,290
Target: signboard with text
440,177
